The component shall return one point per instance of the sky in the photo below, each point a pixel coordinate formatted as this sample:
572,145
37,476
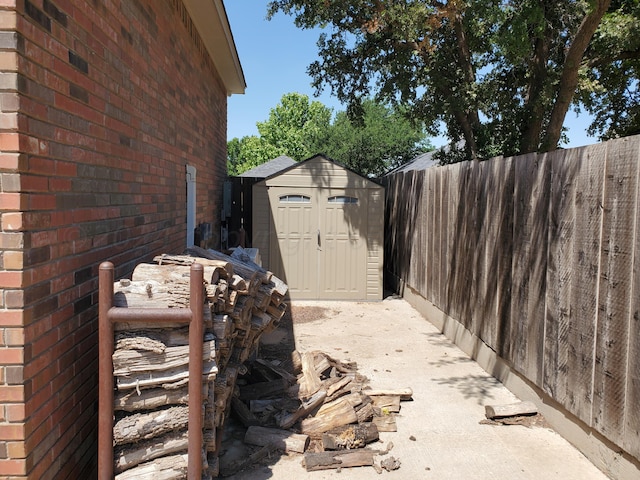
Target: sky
275,54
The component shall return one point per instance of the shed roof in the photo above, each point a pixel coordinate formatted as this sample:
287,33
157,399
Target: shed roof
270,168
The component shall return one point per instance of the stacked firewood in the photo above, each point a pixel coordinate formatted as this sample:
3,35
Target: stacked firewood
151,362
324,409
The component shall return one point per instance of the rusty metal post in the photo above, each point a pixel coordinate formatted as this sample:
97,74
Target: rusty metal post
108,315
105,373
196,302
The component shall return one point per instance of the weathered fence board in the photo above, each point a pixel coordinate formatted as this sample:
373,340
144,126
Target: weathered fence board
559,276
632,418
585,262
445,233
615,285
531,197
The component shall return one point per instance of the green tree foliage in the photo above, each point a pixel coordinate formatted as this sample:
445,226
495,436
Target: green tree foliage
379,140
375,140
498,74
292,129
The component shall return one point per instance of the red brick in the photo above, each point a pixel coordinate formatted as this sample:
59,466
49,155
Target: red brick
9,142
10,201
10,318
12,221
11,356
13,467
11,279
11,393
42,202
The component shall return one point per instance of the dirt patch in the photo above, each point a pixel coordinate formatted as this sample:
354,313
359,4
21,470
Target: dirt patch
300,314
529,421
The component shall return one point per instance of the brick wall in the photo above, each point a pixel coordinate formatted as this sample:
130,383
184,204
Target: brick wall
102,105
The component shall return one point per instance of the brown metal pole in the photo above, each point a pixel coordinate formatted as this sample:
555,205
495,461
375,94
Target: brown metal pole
196,302
105,373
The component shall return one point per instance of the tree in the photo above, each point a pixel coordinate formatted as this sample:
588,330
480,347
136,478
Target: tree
373,141
379,140
292,129
498,74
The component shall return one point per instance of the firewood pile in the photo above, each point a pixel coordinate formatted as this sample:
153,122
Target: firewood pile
318,406
151,362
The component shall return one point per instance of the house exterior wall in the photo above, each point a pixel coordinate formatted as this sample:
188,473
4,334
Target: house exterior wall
102,107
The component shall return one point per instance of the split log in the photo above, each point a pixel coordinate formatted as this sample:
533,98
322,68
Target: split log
338,386
127,362
242,412
404,393
282,439
339,413
144,426
280,372
511,410
243,463
128,457
172,379
339,459
385,423
144,272
226,268
310,382
350,436
386,403
288,419
150,294
365,412
149,399
165,468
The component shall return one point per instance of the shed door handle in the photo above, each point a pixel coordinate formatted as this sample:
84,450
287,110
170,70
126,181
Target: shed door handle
319,244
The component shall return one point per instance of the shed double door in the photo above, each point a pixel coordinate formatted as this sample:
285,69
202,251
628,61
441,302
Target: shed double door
318,245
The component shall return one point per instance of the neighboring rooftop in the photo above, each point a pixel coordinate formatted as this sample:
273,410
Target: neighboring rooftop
270,168
421,162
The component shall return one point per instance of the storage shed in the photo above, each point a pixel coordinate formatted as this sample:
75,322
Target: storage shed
320,227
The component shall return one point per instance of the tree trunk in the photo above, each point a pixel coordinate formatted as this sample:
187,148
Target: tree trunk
569,78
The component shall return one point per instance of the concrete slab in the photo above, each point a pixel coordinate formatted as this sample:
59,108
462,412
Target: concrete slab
439,433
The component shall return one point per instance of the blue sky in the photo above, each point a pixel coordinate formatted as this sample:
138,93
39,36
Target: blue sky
275,55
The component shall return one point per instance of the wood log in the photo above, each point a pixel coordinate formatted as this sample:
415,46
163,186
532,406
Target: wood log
144,426
246,271
338,386
310,382
144,272
131,401
338,459
350,436
242,412
174,378
134,325
510,410
151,294
128,456
173,467
127,362
386,403
222,326
282,439
385,423
365,412
339,413
226,268
288,419
280,372
404,393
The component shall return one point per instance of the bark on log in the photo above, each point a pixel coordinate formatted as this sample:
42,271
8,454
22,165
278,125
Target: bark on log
165,468
150,399
144,426
174,378
127,362
166,259
282,439
339,459
129,456
350,436
144,272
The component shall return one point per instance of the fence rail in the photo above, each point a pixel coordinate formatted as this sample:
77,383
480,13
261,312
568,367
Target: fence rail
539,256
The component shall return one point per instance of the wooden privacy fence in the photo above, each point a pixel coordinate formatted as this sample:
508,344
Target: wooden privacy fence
539,256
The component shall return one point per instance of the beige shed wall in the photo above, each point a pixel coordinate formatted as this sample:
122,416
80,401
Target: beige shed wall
319,178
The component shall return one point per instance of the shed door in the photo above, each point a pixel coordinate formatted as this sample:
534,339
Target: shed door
343,255
319,245
293,252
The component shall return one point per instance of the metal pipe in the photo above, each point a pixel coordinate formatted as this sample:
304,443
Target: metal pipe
105,373
196,334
